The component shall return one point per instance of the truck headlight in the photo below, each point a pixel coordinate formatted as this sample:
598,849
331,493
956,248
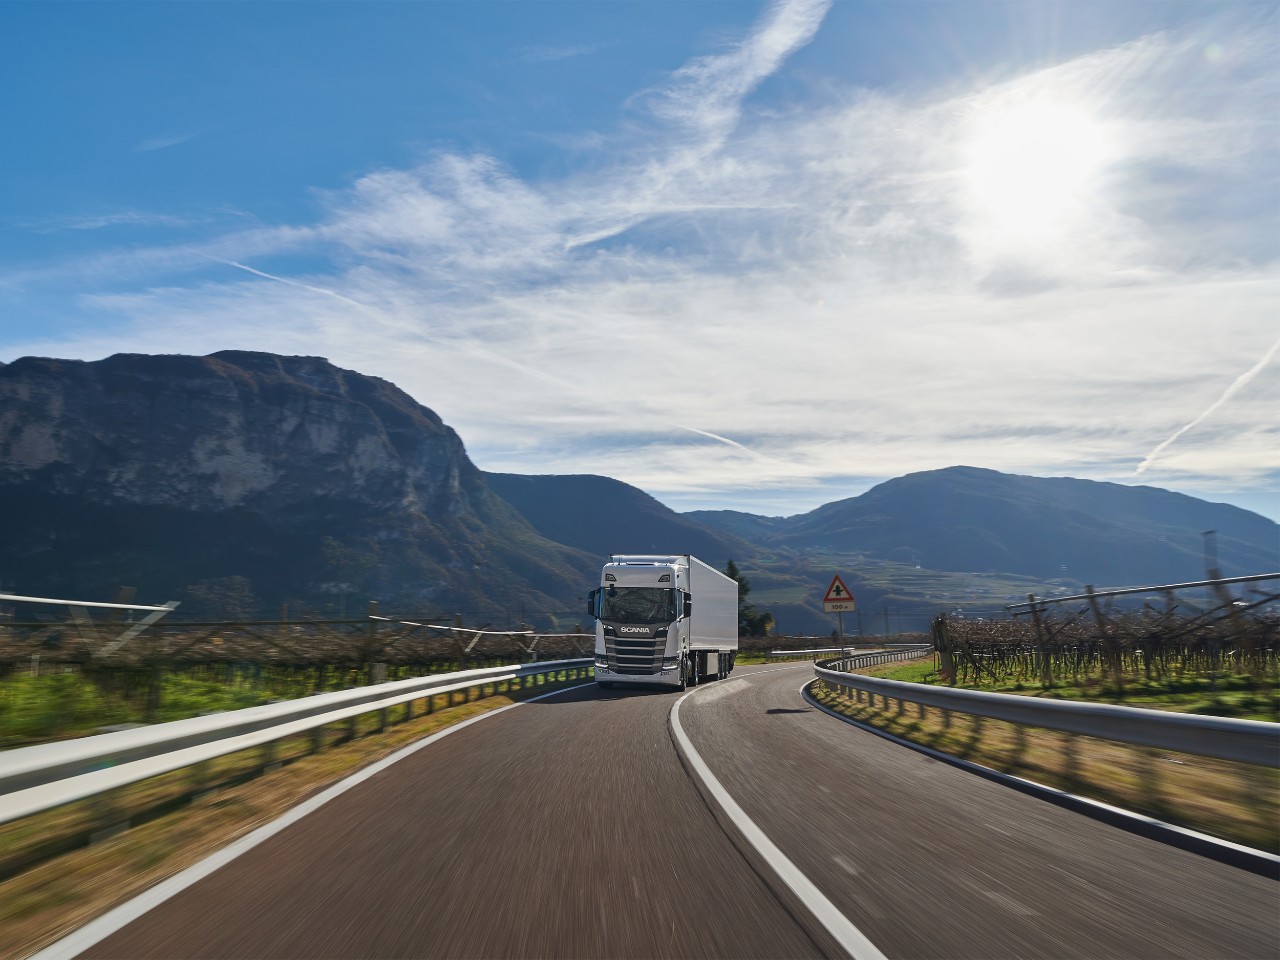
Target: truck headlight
602,663
670,664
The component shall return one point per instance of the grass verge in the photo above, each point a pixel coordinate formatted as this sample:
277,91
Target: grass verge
59,894
1232,801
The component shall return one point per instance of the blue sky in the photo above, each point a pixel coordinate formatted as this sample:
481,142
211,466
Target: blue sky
740,254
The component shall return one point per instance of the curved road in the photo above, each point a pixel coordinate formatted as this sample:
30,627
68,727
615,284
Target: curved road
570,827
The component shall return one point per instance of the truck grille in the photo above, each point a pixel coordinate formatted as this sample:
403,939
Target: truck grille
635,656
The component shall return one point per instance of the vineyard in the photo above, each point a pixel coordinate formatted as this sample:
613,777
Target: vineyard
73,674
55,673
1055,644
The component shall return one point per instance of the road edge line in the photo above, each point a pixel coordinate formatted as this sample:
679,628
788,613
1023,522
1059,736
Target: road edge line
1193,841
851,939
118,917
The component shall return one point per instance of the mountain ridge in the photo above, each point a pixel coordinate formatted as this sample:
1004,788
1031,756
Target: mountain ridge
981,520
314,484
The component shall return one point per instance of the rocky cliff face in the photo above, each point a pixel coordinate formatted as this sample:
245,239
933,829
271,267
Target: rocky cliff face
233,429
304,478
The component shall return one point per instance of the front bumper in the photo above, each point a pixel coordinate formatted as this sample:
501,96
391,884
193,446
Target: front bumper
669,677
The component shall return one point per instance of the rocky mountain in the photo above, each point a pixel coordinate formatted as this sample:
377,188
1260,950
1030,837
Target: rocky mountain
976,520
260,478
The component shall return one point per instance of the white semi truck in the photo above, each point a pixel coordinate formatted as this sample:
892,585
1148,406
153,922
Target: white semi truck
663,619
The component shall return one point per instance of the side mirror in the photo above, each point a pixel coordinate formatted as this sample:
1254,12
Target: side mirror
591,603
688,606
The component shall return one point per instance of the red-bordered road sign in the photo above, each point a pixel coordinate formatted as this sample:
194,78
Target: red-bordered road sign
838,599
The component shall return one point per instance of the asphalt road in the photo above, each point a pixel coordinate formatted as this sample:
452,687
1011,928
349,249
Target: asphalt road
570,827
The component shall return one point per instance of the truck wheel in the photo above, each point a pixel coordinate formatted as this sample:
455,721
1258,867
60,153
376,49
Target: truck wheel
684,676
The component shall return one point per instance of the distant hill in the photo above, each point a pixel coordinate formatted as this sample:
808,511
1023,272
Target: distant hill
601,516
977,520
748,526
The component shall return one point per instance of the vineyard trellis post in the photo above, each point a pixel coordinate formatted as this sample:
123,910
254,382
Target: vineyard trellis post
1109,646
942,644
371,645
1046,673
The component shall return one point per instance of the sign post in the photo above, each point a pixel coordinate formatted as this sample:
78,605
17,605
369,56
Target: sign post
837,600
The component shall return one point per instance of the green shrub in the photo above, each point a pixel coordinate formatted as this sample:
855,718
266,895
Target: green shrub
49,705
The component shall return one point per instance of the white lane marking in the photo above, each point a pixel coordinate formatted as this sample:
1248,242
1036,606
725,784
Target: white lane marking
850,938
104,926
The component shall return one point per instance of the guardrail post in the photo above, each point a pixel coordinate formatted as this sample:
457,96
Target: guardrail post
1071,768
1019,746
199,778
352,727
110,819
269,761
382,719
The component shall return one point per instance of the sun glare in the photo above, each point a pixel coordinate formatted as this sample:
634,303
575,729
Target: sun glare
1029,165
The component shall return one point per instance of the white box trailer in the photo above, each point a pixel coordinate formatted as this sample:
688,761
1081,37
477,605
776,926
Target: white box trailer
668,619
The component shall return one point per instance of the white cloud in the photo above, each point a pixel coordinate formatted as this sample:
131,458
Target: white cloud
816,285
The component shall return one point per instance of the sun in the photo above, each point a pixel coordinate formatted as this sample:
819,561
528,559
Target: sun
1028,166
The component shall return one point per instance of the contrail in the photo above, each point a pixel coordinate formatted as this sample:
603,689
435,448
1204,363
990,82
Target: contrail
379,315
716,436
489,354
1227,394
295,283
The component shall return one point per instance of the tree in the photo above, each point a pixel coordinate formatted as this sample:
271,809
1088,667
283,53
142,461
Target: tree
751,622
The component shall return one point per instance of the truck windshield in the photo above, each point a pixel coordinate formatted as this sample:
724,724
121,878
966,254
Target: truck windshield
637,604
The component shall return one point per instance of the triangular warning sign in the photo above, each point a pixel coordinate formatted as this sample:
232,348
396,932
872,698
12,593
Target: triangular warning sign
837,592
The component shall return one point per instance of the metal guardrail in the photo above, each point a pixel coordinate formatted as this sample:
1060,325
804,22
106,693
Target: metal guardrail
1223,738
810,654
34,779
